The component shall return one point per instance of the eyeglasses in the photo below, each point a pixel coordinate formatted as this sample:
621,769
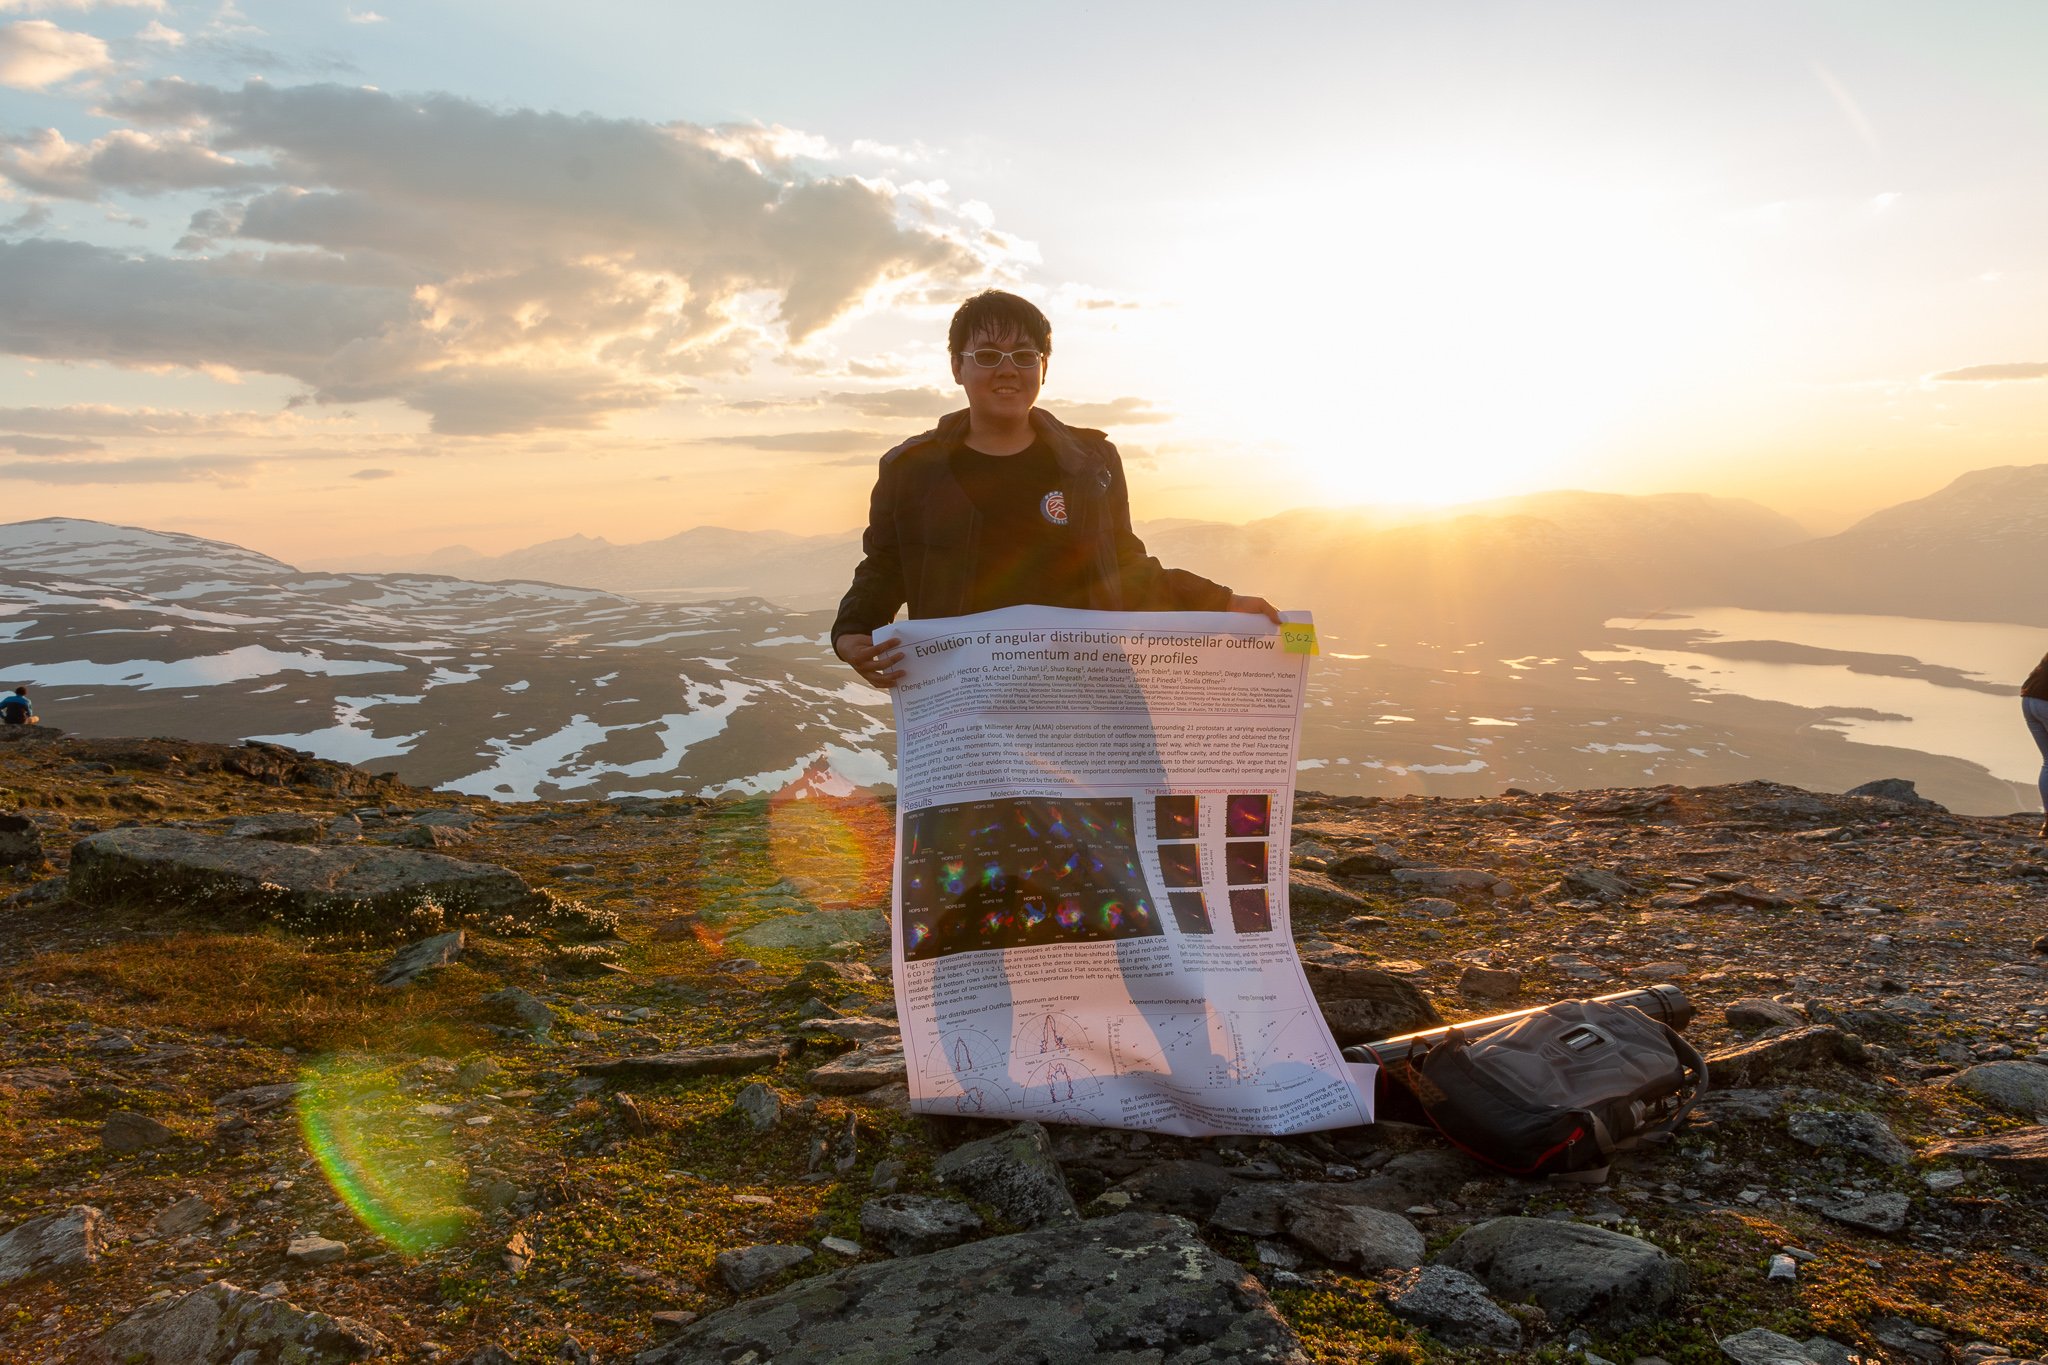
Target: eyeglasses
989,358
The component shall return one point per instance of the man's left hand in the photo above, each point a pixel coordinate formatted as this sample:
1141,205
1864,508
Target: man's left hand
1254,606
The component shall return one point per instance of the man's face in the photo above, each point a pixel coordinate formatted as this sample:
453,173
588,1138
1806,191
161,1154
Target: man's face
1003,393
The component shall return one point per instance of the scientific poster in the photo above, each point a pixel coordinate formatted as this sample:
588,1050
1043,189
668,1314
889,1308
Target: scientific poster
1091,921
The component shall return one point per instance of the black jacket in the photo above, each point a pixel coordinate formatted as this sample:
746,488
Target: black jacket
924,533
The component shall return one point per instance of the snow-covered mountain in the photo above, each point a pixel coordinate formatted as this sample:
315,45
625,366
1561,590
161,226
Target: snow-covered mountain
513,690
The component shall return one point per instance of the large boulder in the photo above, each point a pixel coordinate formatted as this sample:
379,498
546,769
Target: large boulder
1750,1065
1362,1001
1015,1172
51,1245
1573,1272
2018,1087
1896,789
1135,1287
317,888
21,843
1453,1306
223,1325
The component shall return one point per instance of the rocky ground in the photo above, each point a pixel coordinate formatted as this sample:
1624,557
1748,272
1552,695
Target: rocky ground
285,1076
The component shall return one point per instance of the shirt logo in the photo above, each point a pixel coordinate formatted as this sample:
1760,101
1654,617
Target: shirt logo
1053,507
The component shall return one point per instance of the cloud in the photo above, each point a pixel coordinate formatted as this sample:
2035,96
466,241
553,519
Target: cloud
364,16
1119,412
156,32
221,469
52,6
498,270
48,445
368,474
1990,374
819,442
36,54
136,162
898,402
94,419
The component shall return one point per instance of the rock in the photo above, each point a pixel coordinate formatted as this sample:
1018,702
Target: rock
1895,789
1761,1346
673,1319
712,1059
1351,1235
913,1224
51,1245
1014,1172
129,1132
481,1073
529,1009
865,1068
445,819
416,960
762,1106
187,1215
839,1246
1362,865
223,1325
1884,1213
2017,1087
2021,1153
1453,879
344,829
1752,1015
284,827
48,891
304,887
1490,983
1747,1066
1254,1210
857,1029
748,1268
258,1099
1574,1273
430,836
888,1174
1308,890
313,1249
1595,883
1452,1305
21,843
814,931
1361,1000
1865,1135
1035,1296
1191,1189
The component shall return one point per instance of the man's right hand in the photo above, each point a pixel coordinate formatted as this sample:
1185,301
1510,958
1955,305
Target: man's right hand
876,663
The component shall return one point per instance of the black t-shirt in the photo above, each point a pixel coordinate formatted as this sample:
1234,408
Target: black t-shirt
1027,552
2036,685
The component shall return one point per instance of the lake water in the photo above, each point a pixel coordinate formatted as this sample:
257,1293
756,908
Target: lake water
1955,721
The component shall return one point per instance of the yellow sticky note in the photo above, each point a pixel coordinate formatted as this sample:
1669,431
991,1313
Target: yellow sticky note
1298,637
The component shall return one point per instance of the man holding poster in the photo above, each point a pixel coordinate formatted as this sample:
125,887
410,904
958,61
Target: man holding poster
1095,785
1003,504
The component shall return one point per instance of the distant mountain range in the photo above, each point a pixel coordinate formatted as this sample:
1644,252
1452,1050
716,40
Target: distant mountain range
1526,566
1464,651
512,690
1975,551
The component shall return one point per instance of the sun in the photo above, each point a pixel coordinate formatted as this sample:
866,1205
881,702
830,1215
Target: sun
1440,333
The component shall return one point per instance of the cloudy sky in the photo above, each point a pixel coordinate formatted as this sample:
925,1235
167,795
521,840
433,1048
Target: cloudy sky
355,280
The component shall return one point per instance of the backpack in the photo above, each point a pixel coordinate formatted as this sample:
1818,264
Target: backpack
14,708
1558,1091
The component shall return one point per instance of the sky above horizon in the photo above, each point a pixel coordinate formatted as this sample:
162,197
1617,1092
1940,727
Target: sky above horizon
354,281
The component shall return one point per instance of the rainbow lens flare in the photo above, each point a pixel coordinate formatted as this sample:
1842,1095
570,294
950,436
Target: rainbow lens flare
390,1166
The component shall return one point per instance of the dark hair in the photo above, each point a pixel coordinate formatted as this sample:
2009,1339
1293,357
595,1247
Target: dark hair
994,312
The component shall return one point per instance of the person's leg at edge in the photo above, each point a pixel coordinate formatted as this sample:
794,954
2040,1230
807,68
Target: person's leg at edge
2037,724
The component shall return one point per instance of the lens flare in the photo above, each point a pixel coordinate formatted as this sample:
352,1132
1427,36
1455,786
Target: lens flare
399,1178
